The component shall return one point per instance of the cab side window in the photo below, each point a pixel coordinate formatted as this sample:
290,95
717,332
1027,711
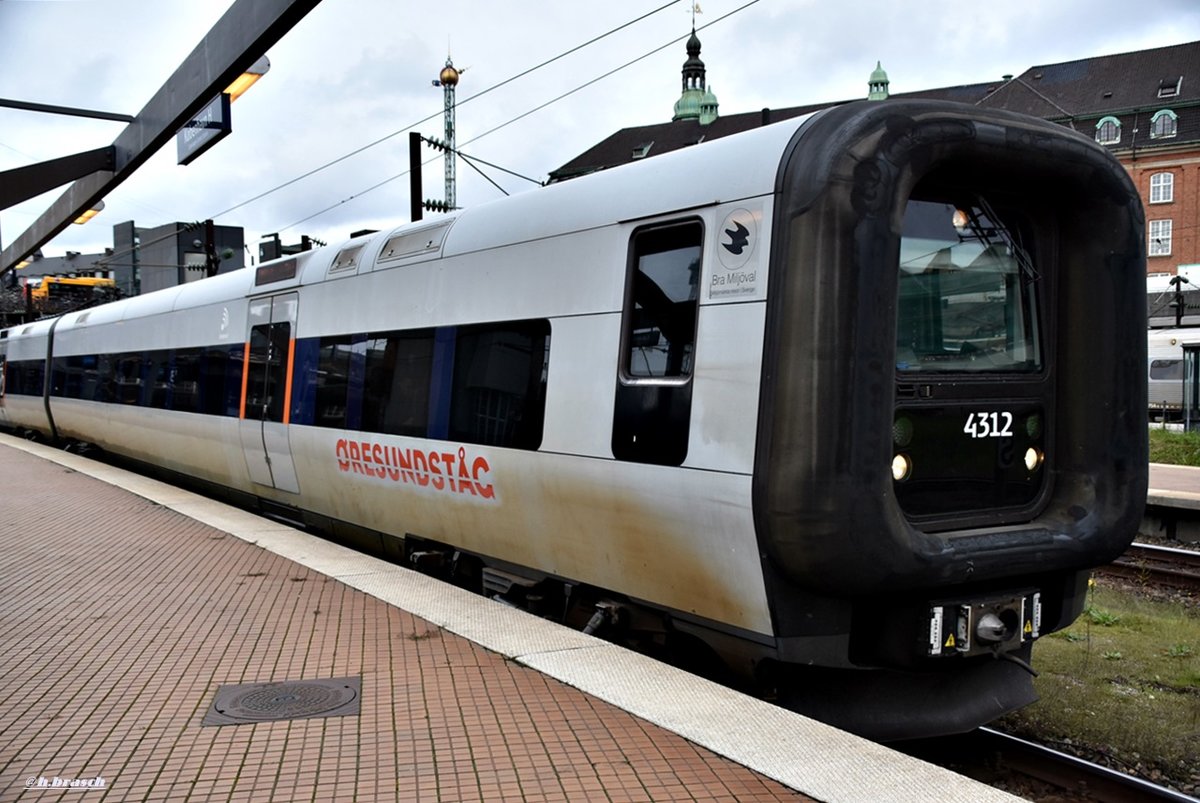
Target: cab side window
654,389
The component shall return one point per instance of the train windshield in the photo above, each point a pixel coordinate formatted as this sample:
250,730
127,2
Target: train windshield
968,300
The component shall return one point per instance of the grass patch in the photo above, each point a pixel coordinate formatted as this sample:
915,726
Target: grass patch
1176,448
1123,681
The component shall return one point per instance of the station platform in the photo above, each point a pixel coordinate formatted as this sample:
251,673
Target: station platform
1174,486
1173,504
156,645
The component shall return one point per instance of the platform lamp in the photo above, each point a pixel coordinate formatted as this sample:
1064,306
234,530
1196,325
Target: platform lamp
247,79
89,214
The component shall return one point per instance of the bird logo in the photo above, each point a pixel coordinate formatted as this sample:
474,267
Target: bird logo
739,238
737,242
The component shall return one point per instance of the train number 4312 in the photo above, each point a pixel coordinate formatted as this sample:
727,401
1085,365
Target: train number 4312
989,425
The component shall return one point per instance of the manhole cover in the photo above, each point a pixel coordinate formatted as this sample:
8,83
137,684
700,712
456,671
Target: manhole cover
291,699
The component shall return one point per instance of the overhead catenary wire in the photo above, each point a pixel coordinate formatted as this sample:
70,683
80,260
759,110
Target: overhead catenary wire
521,116
471,163
435,115
107,259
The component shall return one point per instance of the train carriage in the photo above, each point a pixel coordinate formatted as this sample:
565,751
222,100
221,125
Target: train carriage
823,399
1165,354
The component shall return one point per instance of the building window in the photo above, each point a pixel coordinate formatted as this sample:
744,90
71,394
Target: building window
1169,88
1163,124
1160,238
1108,131
642,151
1162,188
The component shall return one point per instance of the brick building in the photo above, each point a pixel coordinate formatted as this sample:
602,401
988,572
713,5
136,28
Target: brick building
1145,108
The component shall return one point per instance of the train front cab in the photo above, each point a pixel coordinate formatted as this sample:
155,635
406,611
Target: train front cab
953,406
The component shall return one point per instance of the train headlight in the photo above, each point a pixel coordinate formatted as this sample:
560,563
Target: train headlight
901,467
1034,458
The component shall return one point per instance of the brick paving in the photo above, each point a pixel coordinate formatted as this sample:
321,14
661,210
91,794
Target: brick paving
120,618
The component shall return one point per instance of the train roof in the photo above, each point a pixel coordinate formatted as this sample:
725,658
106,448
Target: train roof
727,169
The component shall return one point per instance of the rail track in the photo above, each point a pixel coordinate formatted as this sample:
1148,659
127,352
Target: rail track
1158,565
1037,772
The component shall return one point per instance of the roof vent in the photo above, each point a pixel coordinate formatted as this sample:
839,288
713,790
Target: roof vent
641,151
347,259
415,242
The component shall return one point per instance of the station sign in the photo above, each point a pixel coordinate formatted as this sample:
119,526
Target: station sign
204,130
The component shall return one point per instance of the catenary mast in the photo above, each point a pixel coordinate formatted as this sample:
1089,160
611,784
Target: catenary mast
448,79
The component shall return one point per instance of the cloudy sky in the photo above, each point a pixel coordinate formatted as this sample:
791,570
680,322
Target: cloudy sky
356,71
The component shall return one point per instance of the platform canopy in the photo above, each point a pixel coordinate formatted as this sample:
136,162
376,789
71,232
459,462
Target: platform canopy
239,38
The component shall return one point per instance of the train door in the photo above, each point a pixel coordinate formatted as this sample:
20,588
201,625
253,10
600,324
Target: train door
3,374
1191,387
266,391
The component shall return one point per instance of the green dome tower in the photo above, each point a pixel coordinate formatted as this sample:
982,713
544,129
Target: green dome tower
697,101
877,84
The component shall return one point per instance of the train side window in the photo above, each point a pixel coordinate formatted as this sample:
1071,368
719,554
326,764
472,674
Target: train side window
654,393
74,377
660,315
128,379
26,377
35,377
332,381
106,372
91,376
220,380
158,375
62,382
1166,369
498,395
396,385
185,380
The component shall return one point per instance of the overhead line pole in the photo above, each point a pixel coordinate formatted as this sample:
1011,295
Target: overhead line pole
235,42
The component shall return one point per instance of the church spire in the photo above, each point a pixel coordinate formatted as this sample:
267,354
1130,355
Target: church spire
697,101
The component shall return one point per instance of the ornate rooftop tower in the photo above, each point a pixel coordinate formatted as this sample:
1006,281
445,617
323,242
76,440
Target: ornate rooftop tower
448,80
877,84
697,101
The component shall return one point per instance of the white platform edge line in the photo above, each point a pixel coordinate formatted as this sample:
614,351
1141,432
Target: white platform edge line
813,758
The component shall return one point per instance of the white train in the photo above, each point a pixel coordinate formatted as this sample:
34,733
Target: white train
1164,354
819,399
